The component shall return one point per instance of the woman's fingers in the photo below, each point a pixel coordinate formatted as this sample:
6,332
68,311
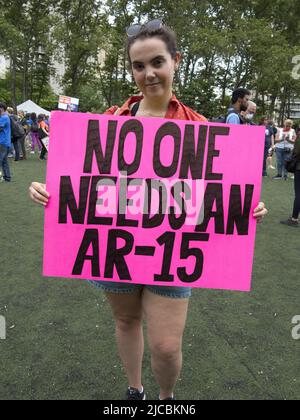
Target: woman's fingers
260,212
38,193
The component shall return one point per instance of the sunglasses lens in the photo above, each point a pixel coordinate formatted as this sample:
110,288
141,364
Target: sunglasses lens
133,30
153,25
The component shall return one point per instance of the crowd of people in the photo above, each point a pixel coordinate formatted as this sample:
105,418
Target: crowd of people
281,140
285,142
20,133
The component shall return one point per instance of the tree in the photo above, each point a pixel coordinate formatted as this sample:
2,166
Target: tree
24,32
224,45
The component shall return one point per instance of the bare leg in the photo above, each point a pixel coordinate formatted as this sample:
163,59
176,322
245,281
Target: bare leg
270,163
166,319
127,311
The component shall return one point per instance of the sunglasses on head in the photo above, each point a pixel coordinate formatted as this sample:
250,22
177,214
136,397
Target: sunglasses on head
153,25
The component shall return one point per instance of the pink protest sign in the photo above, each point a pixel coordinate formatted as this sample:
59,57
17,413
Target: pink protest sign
152,201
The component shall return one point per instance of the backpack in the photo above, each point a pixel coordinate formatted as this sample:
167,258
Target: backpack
34,127
291,164
17,130
222,120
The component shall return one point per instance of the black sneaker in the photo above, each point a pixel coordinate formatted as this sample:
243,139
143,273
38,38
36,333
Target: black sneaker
135,394
290,222
277,177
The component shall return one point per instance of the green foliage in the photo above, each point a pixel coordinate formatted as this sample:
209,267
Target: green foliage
26,42
224,45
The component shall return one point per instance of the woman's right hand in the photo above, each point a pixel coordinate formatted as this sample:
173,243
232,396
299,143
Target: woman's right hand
38,193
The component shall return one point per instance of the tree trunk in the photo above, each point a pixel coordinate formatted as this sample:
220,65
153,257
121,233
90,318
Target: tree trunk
272,106
282,109
263,105
224,84
13,80
186,71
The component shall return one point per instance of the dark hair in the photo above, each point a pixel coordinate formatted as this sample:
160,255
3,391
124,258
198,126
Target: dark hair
262,120
3,106
239,93
166,34
33,116
41,117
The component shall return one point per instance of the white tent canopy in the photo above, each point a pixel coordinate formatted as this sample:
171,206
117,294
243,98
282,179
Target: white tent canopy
30,106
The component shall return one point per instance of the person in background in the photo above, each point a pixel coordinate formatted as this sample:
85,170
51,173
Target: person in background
17,133
5,142
284,145
27,129
294,220
239,103
269,141
46,119
272,148
23,122
34,132
14,149
249,115
43,133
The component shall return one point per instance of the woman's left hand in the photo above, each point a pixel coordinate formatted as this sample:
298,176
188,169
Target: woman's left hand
260,212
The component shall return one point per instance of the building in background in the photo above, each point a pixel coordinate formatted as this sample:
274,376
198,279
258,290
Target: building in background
295,110
4,66
291,110
55,79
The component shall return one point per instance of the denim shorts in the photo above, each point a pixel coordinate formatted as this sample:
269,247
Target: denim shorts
121,288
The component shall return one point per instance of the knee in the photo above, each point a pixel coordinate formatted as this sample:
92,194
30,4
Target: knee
128,323
166,350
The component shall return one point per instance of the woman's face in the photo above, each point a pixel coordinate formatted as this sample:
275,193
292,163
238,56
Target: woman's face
153,67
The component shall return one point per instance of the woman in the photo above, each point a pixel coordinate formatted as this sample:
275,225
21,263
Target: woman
17,132
23,122
43,134
293,221
271,150
269,142
153,59
34,132
285,141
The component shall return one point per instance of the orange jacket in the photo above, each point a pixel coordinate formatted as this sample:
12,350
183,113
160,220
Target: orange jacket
176,110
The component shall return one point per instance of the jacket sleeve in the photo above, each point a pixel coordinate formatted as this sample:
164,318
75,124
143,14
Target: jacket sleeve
4,122
111,111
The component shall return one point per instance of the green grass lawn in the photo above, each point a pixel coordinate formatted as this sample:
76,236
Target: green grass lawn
60,340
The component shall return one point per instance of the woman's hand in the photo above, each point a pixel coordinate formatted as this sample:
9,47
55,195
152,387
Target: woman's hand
260,212
38,193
